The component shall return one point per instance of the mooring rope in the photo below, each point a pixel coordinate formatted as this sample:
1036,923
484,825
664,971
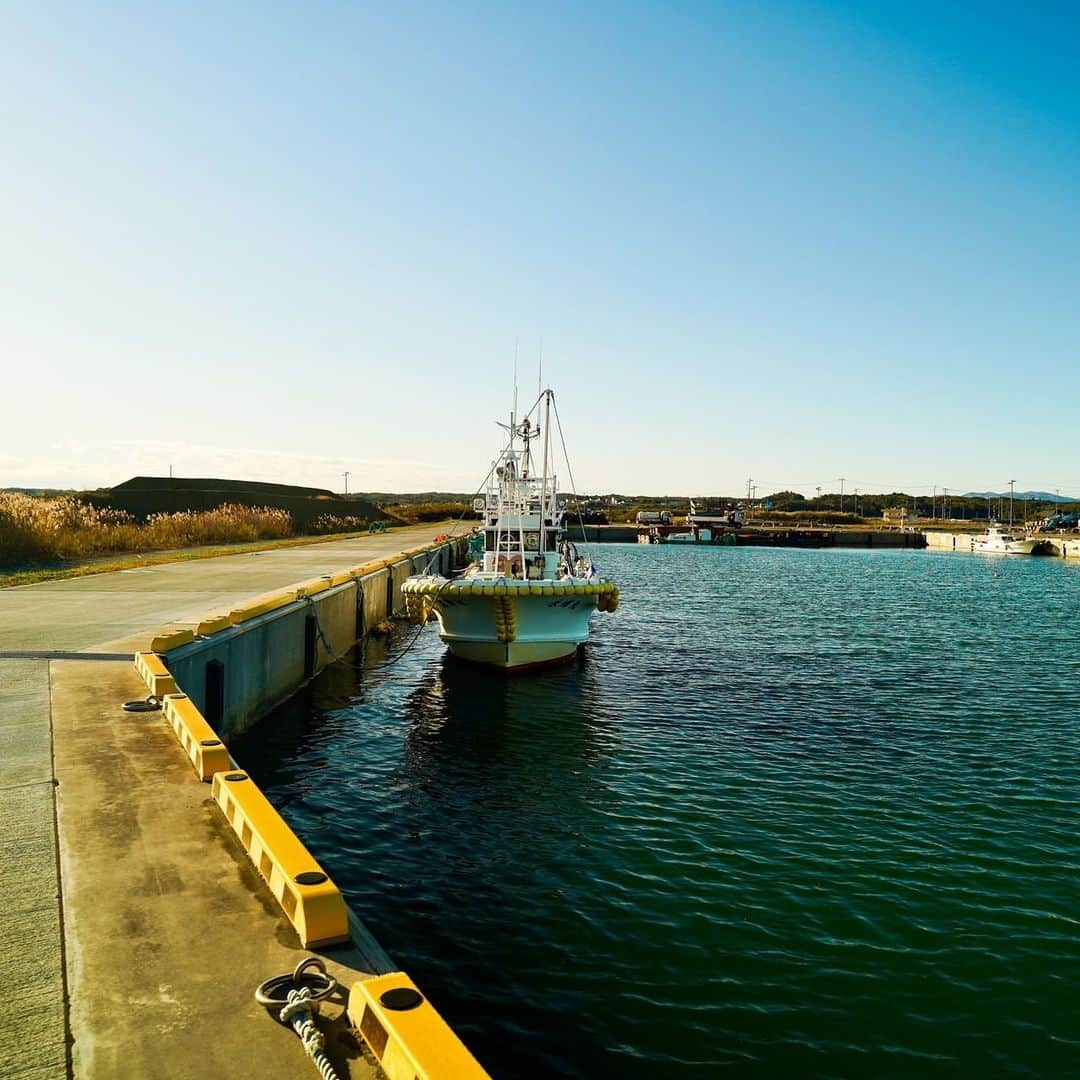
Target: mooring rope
299,1013
300,1007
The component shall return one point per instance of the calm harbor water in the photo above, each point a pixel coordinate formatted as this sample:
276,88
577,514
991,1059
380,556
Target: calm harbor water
796,811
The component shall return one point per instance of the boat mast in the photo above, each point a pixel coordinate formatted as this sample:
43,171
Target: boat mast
502,479
544,478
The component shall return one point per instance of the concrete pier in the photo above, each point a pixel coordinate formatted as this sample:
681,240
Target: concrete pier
136,928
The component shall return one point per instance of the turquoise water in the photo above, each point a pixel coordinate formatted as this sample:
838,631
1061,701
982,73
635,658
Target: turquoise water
796,811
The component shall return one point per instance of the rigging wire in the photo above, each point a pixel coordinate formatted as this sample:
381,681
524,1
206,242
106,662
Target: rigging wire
570,472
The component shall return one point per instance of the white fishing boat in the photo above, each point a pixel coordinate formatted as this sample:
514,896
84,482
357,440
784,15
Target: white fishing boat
1003,542
528,594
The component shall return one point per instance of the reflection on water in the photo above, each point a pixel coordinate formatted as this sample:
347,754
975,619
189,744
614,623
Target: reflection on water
808,812
458,713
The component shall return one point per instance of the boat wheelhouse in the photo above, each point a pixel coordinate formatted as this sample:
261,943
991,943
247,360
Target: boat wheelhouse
527,595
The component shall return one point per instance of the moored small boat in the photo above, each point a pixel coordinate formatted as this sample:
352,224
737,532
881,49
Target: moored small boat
999,541
528,594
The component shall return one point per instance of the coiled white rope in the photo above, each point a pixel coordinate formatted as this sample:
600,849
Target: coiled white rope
299,1011
300,1007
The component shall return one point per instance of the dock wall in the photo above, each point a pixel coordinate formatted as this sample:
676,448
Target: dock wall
949,541
1064,549
236,675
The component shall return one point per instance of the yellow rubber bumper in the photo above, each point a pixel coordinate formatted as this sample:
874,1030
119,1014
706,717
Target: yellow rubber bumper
607,592
207,753
310,900
408,1037
155,674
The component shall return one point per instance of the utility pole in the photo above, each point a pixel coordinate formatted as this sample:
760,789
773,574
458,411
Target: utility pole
749,485
841,494
346,475
1012,484
944,503
857,514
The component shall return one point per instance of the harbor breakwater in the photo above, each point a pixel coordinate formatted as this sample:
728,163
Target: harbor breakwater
797,535
808,535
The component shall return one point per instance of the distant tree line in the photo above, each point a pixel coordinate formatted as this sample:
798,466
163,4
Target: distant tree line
861,506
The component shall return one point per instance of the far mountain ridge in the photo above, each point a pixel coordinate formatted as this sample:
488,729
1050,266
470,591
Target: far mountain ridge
1027,496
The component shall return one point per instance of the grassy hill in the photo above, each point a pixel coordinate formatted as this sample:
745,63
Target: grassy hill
144,496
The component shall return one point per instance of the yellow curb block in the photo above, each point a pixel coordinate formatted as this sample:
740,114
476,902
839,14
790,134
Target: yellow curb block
408,1037
155,674
214,624
369,568
171,637
206,751
312,587
310,900
262,605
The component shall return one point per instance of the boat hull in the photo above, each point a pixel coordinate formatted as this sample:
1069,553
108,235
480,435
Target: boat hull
511,624
1010,547
512,655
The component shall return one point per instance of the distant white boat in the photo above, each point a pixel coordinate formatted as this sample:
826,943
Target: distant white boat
998,541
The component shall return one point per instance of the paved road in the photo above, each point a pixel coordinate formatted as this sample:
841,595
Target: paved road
89,612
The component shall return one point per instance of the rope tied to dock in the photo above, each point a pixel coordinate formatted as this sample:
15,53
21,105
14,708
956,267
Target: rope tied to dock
341,659
300,1007
300,1013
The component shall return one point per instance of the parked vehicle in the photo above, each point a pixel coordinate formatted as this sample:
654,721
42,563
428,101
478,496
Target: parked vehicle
654,517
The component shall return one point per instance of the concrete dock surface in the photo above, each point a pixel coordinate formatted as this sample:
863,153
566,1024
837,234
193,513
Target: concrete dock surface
101,609
137,929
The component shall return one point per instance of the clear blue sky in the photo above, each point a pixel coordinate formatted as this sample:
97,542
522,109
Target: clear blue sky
791,241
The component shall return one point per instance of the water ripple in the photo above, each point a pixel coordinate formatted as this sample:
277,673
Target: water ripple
797,812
